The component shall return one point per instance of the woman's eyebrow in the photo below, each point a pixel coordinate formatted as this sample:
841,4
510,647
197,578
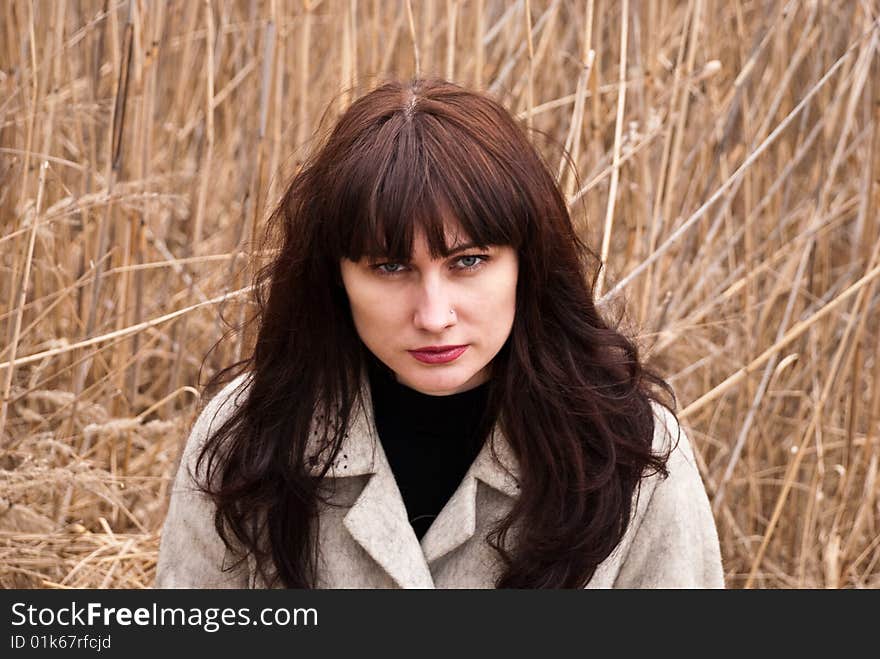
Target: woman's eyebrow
453,250
464,246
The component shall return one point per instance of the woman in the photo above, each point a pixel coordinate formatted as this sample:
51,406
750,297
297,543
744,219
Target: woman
433,399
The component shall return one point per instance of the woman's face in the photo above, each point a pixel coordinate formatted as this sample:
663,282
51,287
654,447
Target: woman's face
467,300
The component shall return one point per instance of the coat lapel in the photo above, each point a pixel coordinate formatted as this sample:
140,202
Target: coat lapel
457,522
378,521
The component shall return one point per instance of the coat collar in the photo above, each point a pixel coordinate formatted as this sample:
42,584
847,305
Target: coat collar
378,521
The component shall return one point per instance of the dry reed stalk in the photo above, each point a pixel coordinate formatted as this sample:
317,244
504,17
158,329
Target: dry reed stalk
753,156
124,332
451,21
530,59
177,262
427,30
618,131
391,45
595,147
862,67
25,167
758,395
256,193
573,137
147,108
53,80
479,48
374,38
625,157
205,179
29,141
693,282
723,212
22,296
412,35
353,45
548,36
724,215
792,334
799,453
305,48
113,168
729,288
345,64
850,464
276,101
61,296
662,187
187,65
97,386
207,162
510,64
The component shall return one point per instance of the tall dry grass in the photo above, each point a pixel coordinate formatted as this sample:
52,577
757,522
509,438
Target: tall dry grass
726,170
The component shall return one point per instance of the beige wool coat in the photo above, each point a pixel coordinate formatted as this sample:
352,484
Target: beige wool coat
367,542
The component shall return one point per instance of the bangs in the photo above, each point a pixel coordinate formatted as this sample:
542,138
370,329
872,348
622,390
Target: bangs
427,175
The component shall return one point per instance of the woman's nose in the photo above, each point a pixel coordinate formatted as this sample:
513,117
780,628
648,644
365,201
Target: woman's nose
433,311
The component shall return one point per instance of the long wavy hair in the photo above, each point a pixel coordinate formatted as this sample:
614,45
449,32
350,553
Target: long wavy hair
567,389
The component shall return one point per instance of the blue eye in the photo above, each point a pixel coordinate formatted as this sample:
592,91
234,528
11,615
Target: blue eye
467,263
476,264
381,271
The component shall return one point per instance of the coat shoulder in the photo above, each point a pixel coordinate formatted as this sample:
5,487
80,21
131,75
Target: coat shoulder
672,539
674,536
214,414
191,552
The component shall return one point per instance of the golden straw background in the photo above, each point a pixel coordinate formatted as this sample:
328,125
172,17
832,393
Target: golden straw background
726,171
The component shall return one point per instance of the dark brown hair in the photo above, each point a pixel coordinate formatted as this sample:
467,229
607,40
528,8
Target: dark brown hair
567,389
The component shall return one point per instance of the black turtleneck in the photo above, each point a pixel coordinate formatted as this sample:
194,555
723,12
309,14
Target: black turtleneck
430,441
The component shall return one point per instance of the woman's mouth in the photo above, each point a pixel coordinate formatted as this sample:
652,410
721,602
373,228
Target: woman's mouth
438,355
